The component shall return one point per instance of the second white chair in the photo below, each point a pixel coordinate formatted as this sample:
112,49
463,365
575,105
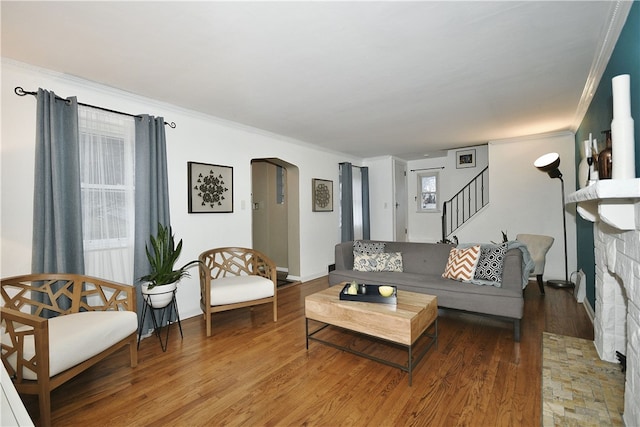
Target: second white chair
538,246
232,278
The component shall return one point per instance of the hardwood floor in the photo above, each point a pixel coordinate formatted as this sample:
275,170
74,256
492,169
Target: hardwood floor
252,371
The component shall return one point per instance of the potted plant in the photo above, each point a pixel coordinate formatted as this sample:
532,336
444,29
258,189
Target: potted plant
162,281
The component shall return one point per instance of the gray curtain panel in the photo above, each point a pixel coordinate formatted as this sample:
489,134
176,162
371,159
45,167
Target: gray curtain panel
152,197
346,201
366,221
57,212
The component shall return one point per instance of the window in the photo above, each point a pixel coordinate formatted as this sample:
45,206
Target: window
358,218
427,192
281,180
107,187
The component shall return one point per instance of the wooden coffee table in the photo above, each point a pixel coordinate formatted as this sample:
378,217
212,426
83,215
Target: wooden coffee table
403,324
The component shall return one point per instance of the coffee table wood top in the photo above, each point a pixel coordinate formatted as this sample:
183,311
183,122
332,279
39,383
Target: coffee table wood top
402,323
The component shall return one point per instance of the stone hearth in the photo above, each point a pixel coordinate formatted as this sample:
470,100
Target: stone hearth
614,207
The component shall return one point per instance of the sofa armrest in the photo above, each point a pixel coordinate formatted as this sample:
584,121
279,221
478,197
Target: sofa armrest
512,270
344,256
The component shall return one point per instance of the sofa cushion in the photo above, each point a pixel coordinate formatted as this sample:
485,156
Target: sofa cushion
491,262
378,262
76,337
421,258
368,247
462,263
233,289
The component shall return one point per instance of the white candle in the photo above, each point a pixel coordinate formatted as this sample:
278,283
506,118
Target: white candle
595,175
587,149
623,141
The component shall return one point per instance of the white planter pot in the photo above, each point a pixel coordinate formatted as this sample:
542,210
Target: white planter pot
158,296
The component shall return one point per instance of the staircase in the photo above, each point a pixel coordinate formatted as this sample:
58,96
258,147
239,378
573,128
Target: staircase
465,204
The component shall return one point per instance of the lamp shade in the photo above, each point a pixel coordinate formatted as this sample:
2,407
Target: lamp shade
549,163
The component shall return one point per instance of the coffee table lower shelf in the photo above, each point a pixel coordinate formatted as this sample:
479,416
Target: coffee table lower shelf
412,361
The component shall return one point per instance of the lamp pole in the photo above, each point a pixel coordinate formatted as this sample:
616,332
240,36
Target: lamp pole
566,283
549,163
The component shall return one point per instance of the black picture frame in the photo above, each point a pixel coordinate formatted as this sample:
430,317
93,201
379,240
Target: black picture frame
466,158
210,188
322,195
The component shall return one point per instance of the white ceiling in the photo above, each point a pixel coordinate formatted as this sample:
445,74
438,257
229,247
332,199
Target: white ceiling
365,78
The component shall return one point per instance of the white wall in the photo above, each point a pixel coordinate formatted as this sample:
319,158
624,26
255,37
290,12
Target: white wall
525,200
381,197
427,226
522,199
197,137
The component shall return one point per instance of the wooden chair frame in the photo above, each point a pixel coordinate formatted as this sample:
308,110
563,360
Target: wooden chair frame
221,262
21,318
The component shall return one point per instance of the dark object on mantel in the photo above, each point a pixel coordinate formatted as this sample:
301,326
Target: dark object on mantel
604,158
623,360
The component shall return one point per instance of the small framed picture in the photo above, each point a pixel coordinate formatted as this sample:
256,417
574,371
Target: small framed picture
210,188
466,158
322,192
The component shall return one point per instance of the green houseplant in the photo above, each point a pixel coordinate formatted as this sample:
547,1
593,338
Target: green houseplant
162,256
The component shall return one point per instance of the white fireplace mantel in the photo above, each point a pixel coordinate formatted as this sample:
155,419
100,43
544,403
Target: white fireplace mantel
614,206
611,201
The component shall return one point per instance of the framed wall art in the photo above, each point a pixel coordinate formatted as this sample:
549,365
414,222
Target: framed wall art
210,188
322,192
466,158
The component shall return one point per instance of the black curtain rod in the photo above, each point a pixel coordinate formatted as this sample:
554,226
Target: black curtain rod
426,169
21,92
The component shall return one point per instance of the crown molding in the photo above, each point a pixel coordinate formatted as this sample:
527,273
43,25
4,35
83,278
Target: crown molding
618,12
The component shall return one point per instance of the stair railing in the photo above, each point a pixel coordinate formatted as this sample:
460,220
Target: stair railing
465,203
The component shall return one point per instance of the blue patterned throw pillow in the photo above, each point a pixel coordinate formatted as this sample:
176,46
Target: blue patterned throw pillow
491,262
367,248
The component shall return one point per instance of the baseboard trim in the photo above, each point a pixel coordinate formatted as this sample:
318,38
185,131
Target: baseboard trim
590,312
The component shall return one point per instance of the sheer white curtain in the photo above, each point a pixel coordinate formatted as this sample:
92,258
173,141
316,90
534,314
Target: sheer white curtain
107,160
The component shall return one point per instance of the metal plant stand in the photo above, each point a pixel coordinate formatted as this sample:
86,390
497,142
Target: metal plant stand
167,310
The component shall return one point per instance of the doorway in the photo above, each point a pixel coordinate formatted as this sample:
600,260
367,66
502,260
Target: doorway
400,201
275,219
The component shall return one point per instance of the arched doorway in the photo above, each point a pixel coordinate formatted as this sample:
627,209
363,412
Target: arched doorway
276,213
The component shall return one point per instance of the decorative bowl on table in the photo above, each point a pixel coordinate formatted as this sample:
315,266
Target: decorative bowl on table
386,291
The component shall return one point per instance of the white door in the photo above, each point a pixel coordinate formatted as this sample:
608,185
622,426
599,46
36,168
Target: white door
400,200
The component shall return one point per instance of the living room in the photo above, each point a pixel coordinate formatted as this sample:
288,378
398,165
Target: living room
522,199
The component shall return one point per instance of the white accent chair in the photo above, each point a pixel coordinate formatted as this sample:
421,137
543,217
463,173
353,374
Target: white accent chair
42,353
232,278
538,246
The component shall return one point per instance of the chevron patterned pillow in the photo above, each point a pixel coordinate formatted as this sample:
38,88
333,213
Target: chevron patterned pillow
462,263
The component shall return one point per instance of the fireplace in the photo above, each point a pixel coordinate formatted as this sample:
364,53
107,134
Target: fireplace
614,207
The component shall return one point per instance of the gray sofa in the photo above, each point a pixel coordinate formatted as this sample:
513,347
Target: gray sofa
423,265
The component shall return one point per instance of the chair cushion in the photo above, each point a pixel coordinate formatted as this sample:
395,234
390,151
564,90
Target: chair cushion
74,338
233,289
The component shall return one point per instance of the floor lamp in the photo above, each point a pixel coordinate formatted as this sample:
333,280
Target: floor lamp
549,163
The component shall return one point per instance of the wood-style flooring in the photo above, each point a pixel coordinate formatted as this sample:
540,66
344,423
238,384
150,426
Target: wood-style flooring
255,372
